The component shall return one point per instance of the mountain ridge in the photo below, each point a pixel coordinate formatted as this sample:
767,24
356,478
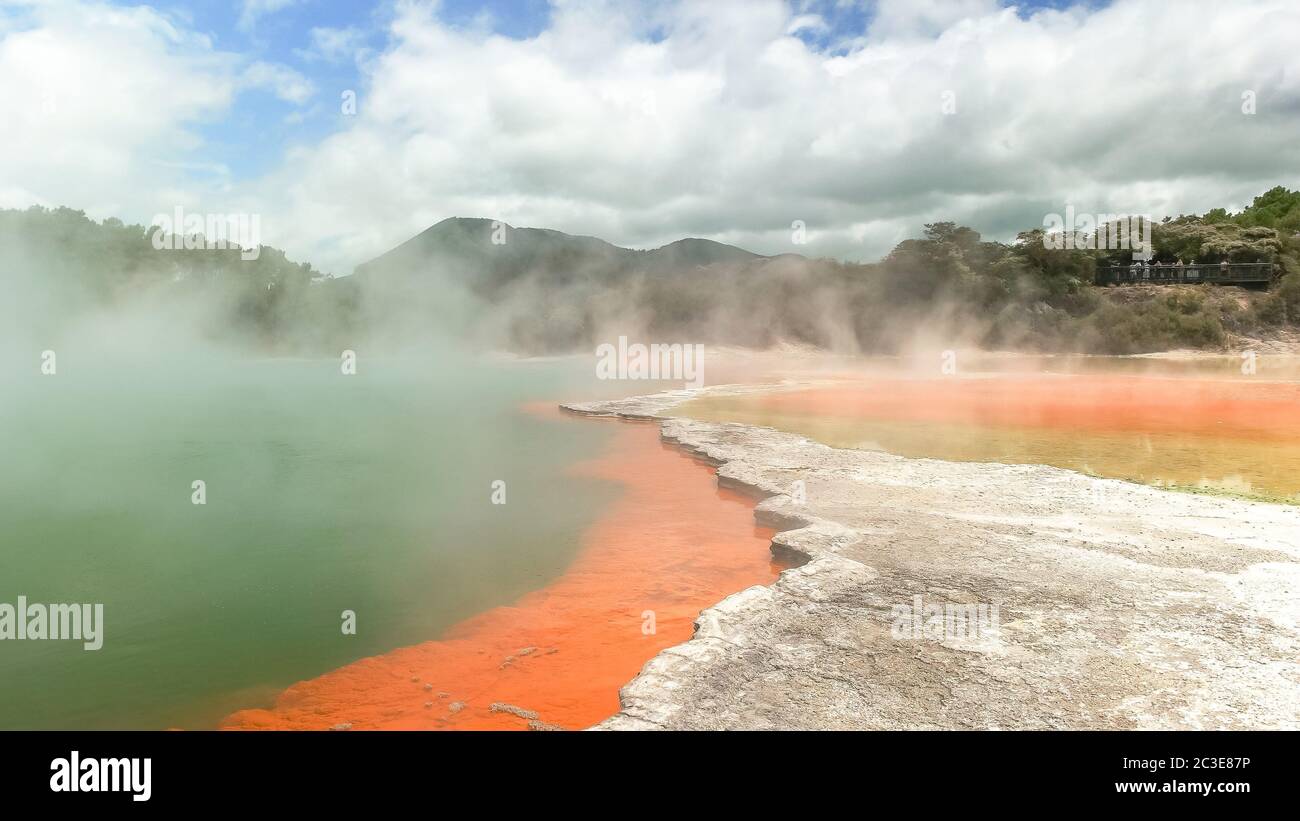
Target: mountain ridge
465,237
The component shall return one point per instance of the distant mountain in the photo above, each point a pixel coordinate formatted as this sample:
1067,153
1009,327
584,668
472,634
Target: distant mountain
686,252
550,291
487,256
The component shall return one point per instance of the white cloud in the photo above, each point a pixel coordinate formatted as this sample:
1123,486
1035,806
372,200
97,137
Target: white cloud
900,18
335,45
284,82
807,22
98,101
254,10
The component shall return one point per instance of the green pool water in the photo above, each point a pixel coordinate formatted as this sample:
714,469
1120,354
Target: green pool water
325,493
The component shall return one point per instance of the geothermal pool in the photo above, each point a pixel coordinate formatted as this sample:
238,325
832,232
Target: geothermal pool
324,493
373,493
671,545
1190,425
370,493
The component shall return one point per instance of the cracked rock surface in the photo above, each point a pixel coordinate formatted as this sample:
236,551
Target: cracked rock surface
1107,604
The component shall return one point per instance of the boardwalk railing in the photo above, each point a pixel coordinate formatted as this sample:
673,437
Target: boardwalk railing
1239,273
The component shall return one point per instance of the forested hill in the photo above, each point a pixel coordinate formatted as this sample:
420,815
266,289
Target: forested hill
488,256
59,268
541,291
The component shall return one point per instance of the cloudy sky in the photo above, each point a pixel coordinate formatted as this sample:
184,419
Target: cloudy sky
642,122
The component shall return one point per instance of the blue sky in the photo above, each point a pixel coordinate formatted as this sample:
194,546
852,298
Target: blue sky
252,138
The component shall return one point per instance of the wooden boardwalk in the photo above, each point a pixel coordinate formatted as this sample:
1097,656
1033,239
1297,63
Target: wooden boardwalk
1241,273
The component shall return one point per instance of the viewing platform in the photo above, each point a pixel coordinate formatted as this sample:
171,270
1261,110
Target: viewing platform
1239,273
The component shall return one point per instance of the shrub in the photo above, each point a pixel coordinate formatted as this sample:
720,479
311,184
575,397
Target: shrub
1271,310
